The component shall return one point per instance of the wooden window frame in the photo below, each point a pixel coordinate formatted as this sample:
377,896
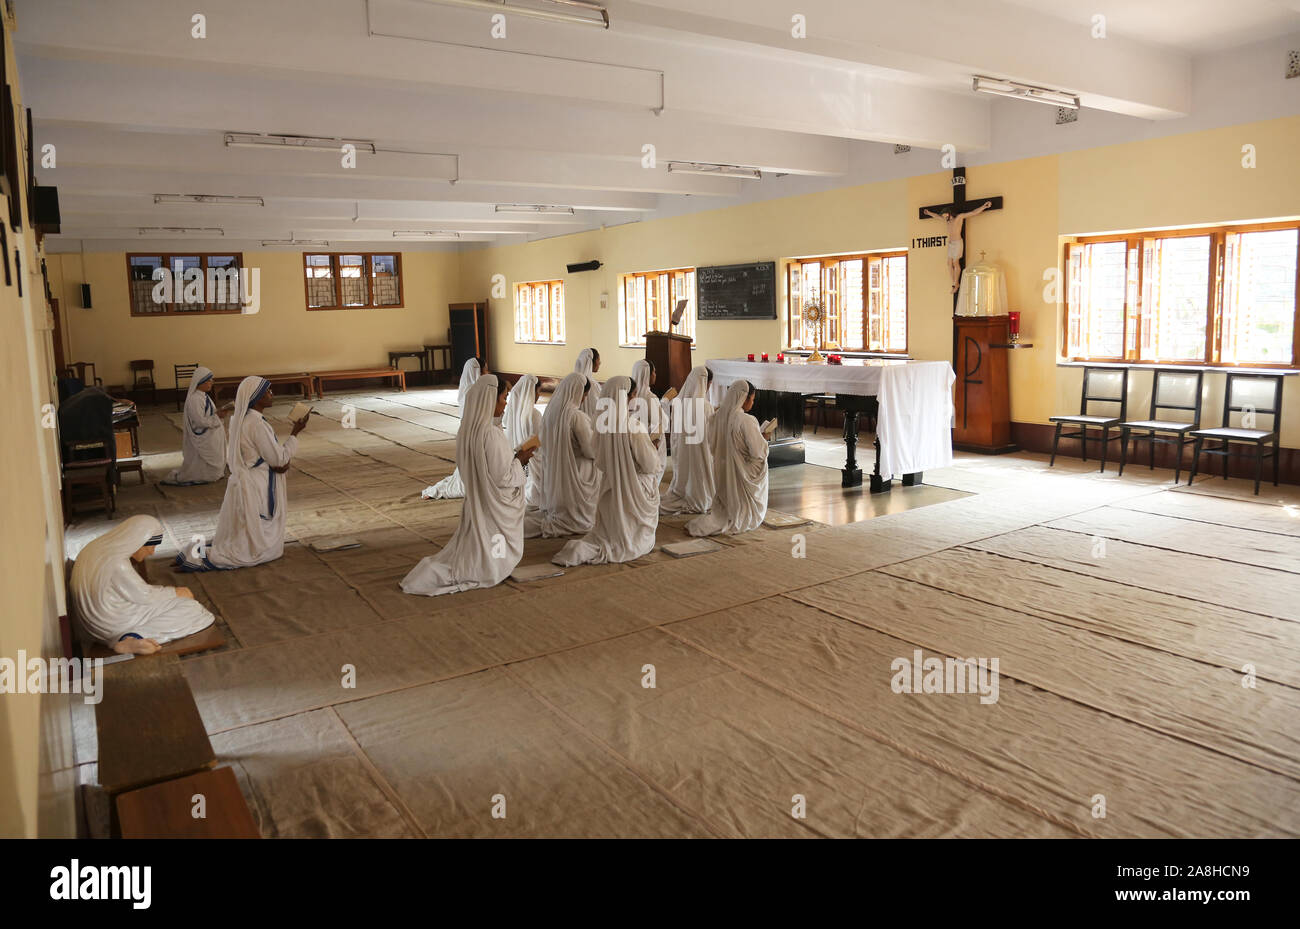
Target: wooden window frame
369,275
793,314
166,259
554,315
1137,317
690,320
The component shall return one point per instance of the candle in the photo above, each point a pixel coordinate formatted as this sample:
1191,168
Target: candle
1013,325
751,356
765,356
780,357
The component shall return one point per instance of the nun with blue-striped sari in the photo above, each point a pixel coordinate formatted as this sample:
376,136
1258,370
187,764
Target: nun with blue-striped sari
203,442
250,529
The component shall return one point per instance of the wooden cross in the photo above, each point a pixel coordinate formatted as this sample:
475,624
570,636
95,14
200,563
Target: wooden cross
957,208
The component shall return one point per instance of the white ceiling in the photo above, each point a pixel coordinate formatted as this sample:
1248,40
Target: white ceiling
553,113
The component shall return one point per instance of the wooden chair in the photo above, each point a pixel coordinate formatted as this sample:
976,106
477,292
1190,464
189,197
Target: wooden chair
78,370
1250,395
1171,389
140,380
185,373
817,403
1100,385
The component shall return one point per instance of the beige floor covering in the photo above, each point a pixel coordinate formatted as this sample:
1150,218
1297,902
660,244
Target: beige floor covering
351,709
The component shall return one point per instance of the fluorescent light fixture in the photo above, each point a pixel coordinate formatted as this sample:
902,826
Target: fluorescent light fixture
1001,88
429,234
532,208
291,243
181,230
712,170
302,143
208,198
560,11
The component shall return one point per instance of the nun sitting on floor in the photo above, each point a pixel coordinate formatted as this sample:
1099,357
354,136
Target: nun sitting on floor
691,488
250,528
739,467
450,487
489,540
523,420
648,408
627,512
118,605
570,484
588,363
203,441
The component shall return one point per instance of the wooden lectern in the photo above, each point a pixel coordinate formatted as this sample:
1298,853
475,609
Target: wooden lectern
983,402
670,353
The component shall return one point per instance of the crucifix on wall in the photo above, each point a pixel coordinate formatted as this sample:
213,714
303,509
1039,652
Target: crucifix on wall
954,215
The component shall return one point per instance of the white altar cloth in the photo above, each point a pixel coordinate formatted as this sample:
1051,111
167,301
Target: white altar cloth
914,424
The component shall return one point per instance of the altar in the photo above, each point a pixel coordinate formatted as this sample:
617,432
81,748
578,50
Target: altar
912,401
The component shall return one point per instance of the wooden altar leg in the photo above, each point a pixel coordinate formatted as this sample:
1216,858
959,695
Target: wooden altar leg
911,480
878,484
851,474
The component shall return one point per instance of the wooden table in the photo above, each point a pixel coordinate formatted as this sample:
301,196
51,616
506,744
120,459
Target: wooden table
444,358
357,374
302,379
421,356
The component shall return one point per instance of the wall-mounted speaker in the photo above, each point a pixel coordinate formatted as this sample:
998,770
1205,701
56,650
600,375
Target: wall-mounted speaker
85,296
583,266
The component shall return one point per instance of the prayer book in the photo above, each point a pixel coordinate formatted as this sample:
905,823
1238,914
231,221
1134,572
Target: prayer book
300,411
775,520
536,572
670,393
693,547
768,427
529,443
337,544
678,311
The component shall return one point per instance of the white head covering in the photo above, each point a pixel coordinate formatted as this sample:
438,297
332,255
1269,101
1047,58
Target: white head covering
739,468
200,376
627,513
250,389
468,375
586,358
566,501
113,599
519,417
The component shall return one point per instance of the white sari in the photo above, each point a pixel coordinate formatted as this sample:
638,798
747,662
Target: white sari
740,468
587,358
489,541
692,486
570,478
250,529
451,487
114,600
627,513
649,409
203,439
523,420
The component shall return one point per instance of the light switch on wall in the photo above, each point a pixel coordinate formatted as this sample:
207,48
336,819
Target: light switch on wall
604,301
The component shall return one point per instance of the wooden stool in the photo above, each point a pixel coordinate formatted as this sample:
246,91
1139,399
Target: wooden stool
131,464
87,474
166,810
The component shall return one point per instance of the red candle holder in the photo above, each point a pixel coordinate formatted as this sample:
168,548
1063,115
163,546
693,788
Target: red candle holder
780,357
751,356
765,356
1013,325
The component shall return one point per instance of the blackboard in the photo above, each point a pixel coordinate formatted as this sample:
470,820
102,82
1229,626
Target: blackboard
737,291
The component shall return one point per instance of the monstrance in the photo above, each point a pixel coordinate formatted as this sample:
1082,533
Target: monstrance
814,314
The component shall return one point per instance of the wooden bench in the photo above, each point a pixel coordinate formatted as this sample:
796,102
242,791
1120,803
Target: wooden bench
358,374
166,810
304,380
148,725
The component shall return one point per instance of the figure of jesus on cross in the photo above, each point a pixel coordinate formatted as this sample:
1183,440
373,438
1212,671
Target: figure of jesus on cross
954,215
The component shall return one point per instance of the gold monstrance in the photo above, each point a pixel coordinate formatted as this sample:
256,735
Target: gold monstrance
814,314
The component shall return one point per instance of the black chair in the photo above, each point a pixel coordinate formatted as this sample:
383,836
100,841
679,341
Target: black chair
185,373
1100,385
1171,389
818,404
1250,395
141,380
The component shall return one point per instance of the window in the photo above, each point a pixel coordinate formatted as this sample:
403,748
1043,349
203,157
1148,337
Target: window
864,298
184,285
539,312
646,301
1223,296
337,280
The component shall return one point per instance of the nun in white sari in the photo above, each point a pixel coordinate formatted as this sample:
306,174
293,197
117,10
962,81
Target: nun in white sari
203,441
570,478
648,408
451,487
587,364
691,488
740,467
523,420
489,541
118,606
627,512
250,528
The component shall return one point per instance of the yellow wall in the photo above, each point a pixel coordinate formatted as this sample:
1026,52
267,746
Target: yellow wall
282,336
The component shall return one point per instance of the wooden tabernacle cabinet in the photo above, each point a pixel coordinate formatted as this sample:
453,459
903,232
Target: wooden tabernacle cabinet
983,401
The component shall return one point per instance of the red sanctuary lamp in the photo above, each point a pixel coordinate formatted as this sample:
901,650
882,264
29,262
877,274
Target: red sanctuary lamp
1013,325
